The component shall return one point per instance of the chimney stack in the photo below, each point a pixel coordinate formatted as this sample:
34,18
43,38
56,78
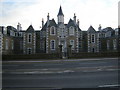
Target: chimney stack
42,22
74,18
78,22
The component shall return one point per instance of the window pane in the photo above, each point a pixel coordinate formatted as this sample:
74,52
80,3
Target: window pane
52,44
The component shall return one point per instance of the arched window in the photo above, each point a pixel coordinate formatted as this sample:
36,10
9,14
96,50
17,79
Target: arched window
52,30
71,30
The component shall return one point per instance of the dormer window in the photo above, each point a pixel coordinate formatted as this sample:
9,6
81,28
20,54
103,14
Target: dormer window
12,33
71,30
52,30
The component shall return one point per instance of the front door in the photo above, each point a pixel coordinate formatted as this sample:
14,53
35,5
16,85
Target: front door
64,49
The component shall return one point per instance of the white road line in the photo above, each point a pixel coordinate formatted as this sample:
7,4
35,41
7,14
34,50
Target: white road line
116,85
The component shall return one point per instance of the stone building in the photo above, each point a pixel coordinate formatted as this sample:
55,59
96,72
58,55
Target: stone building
29,41
58,37
93,40
58,34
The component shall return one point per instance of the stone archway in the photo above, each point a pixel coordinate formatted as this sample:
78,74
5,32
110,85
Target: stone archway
63,51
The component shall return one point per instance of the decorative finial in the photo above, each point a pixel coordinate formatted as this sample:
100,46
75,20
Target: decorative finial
74,14
99,25
42,19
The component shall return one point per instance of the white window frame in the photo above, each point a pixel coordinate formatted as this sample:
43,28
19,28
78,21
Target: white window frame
29,38
51,28
92,38
51,45
72,42
71,31
12,33
28,50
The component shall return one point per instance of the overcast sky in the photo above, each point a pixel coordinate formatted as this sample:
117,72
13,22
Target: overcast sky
89,12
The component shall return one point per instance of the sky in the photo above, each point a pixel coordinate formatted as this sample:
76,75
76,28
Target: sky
89,12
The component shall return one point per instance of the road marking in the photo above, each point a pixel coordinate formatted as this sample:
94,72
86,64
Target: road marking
62,70
116,85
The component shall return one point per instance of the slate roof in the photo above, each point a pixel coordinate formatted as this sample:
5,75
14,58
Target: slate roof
71,23
44,27
30,29
60,11
79,28
11,28
107,29
51,23
91,30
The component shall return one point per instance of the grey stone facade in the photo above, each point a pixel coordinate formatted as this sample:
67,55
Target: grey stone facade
54,35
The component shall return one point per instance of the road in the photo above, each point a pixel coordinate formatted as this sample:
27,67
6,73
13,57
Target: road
57,74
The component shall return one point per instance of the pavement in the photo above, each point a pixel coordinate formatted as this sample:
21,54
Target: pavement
59,60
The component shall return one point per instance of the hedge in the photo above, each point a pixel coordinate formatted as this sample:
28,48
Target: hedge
94,55
32,56
57,56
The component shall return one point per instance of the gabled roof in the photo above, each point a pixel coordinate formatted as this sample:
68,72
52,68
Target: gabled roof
11,28
60,11
91,30
52,23
44,27
30,29
79,28
71,23
107,29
